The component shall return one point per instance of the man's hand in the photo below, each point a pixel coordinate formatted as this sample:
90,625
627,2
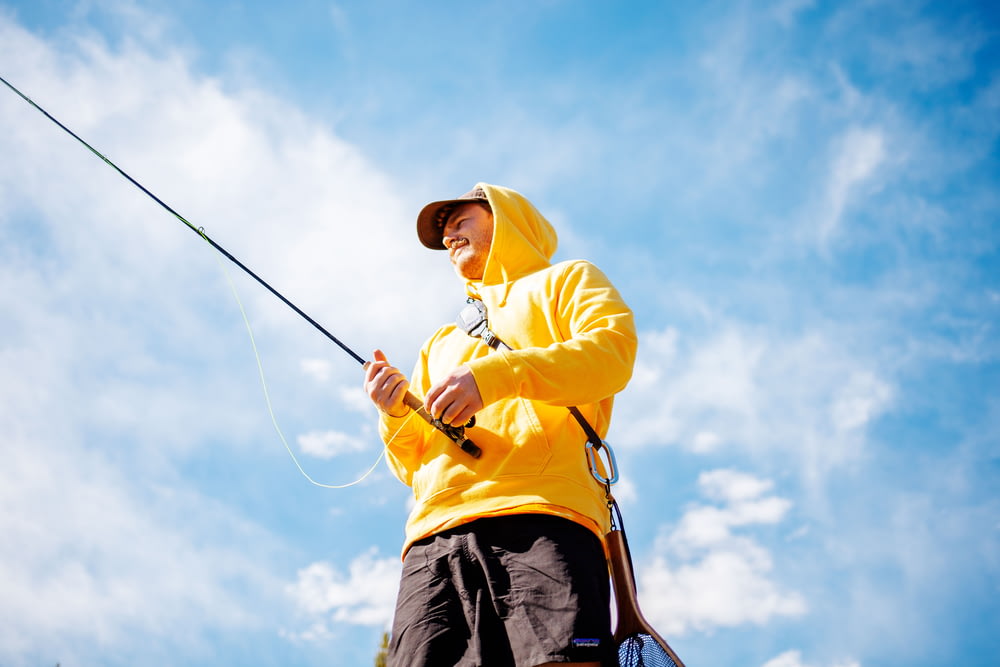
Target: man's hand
456,398
386,386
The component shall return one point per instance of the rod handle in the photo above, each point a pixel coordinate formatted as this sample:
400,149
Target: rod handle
455,433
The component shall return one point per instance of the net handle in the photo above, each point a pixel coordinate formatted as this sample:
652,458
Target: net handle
630,618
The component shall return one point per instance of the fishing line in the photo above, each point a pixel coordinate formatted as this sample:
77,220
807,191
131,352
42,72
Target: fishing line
455,433
197,230
270,407
201,232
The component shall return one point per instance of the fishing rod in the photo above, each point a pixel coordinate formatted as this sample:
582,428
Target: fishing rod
455,433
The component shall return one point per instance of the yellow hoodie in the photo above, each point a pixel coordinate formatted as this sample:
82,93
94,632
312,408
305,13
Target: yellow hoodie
574,343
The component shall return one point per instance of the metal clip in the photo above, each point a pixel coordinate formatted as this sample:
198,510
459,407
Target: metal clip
472,319
595,462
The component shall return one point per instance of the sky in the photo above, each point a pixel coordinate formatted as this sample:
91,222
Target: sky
799,200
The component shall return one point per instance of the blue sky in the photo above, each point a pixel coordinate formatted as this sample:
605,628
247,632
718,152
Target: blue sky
799,200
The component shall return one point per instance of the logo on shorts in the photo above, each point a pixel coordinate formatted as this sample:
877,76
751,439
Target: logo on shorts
586,643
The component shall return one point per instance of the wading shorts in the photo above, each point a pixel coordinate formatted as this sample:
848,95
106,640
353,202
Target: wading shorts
512,591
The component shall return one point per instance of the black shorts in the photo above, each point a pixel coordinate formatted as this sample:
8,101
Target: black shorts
507,591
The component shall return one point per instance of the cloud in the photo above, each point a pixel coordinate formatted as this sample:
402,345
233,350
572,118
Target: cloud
912,49
125,363
862,398
859,152
741,387
330,444
317,369
732,486
93,559
354,398
786,11
350,396
299,205
364,595
704,575
794,659
128,383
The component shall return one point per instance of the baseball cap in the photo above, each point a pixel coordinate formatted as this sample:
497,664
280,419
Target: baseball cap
431,220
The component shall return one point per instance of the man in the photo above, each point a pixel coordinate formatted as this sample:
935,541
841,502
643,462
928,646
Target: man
503,561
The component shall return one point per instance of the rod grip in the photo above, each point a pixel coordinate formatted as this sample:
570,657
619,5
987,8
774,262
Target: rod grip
455,433
412,401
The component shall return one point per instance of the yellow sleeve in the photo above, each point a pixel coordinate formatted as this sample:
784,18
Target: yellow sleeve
406,437
589,358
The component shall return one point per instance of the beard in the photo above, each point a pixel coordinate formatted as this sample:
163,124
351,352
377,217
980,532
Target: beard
469,263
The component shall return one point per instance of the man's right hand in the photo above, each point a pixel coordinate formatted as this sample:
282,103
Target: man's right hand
386,386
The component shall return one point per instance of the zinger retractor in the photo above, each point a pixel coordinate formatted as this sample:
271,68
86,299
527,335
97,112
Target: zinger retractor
474,321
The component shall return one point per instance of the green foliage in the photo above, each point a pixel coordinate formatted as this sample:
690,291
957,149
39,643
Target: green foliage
382,657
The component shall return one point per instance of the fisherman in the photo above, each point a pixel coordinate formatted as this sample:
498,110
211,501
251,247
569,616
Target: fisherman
503,561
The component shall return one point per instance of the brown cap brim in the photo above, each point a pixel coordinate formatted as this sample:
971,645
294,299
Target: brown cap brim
430,222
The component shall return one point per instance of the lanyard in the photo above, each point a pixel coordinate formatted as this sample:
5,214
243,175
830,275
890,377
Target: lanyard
473,320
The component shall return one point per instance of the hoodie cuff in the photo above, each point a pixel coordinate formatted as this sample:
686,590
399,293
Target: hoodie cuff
494,376
389,425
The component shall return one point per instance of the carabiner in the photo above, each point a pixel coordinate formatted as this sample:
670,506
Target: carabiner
594,462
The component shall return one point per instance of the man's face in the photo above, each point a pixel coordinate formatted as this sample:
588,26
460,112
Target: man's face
468,234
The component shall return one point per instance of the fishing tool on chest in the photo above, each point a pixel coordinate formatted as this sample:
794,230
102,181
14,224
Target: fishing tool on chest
455,433
473,320
638,644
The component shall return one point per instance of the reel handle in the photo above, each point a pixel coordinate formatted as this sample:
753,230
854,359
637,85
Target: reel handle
455,433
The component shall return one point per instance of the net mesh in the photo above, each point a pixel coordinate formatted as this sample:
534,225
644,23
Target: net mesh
640,650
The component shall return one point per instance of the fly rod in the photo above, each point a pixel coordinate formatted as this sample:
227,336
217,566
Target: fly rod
455,433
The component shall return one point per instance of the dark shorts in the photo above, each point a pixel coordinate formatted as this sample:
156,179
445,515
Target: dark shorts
513,591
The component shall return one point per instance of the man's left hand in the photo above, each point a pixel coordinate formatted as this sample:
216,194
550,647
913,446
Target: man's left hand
456,398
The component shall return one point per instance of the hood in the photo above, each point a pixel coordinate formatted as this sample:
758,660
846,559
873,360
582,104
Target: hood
523,240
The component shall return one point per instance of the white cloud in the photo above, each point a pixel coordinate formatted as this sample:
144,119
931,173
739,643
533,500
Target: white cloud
785,11
92,558
330,444
794,659
124,358
351,396
862,398
732,485
786,659
925,53
364,595
705,526
300,206
726,588
808,398
317,369
859,153
705,442
625,491
355,398
704,576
